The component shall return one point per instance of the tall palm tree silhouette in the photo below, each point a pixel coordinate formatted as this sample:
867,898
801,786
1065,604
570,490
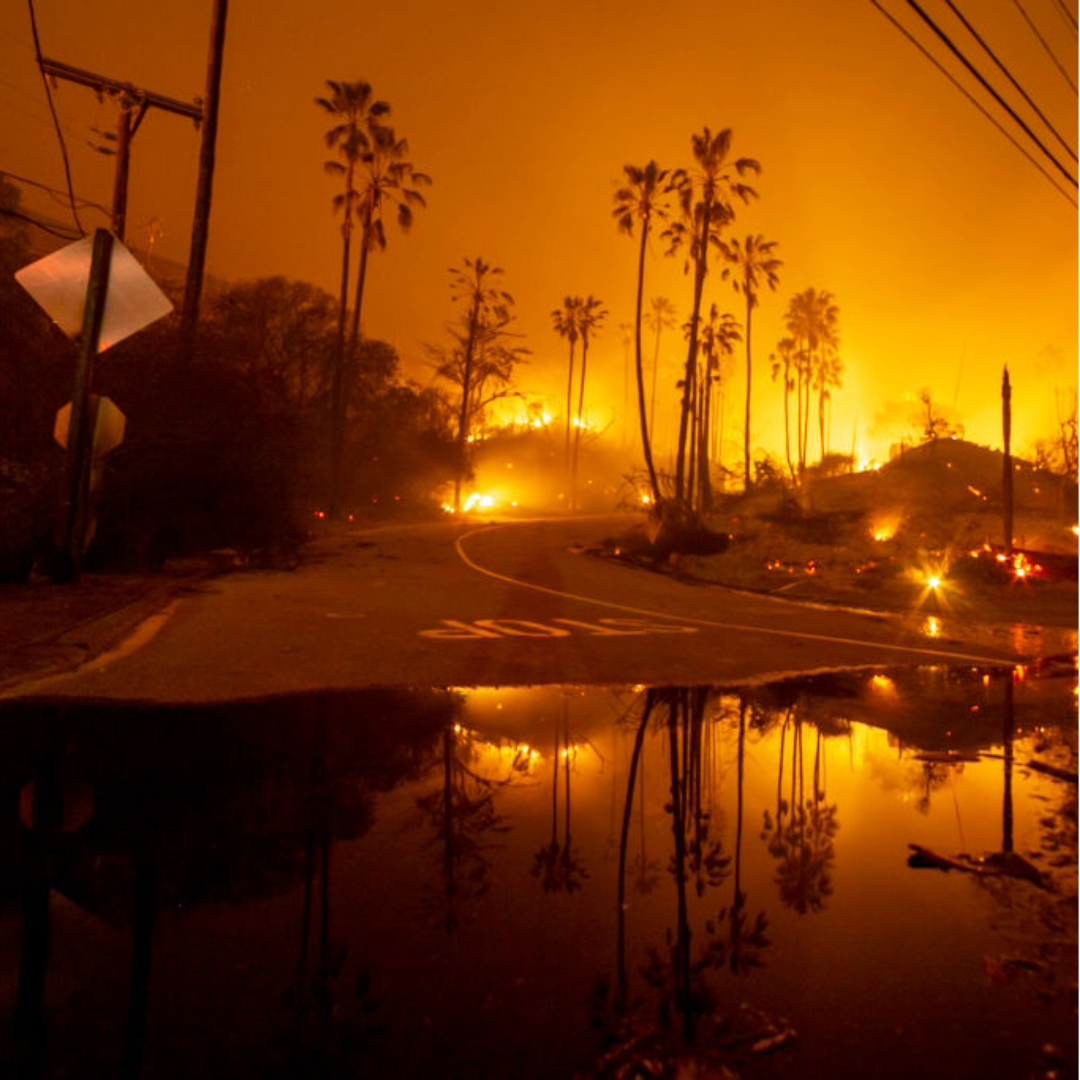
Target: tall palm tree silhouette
705,194
638,204
592,315
388,178
567,323
753,266
355,114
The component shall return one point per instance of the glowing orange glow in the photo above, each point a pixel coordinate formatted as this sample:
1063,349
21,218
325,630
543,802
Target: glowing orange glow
476,501
884,528
882,684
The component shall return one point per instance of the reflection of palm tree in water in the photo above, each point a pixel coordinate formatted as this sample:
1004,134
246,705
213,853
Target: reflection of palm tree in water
801,837
745,941
462,811
556,865
697,857
680,976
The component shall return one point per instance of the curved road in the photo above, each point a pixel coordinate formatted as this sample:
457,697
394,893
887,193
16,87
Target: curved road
504,604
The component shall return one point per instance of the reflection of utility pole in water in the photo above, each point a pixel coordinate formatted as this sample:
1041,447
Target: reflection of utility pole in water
1007,734
45,830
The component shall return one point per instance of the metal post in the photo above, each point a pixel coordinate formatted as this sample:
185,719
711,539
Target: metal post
67,549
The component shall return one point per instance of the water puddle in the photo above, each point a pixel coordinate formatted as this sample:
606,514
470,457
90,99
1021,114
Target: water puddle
862,873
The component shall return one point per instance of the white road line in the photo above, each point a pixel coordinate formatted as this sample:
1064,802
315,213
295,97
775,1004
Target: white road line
803,635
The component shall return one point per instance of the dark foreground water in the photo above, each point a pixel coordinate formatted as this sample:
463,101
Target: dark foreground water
551,882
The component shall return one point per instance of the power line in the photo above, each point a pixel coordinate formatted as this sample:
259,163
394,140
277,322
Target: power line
1046,47
56,119
986,86
1069,17
919,45
64,234
52,191
1008,75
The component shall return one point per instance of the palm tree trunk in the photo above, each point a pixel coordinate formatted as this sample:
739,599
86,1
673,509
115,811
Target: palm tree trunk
787,419
577,429
821,417
798,412
700,268
337,420
645,444
706,439
749,371
569,403
655,370
361,279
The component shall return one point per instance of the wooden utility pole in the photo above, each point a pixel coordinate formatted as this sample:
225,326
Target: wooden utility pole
200,229
133,105
1007,467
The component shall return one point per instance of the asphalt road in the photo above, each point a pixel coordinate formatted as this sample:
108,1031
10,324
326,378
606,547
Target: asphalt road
500,604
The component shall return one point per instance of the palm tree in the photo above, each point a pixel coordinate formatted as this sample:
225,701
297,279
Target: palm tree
626,337
479,285
754,266
388,178
642,199
355,114
660,317
828,375
783,360
566,321
705,195
812,319
718,337
590,316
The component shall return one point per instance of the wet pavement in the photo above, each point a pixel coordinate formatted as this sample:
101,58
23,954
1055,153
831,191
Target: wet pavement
864,873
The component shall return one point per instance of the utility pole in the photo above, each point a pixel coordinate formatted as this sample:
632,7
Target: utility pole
189,317
134,102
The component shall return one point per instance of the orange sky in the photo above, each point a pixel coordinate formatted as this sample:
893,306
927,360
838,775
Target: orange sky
948,253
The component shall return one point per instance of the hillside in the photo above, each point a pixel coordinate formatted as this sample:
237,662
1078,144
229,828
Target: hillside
922,534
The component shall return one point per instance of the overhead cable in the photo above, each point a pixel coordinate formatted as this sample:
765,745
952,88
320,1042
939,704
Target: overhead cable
986,86
978,105
1008,75
56,119
1069,17
53,192
1046,47
64,234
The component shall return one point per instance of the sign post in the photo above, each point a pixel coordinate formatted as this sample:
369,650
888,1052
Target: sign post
97,293
67,544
